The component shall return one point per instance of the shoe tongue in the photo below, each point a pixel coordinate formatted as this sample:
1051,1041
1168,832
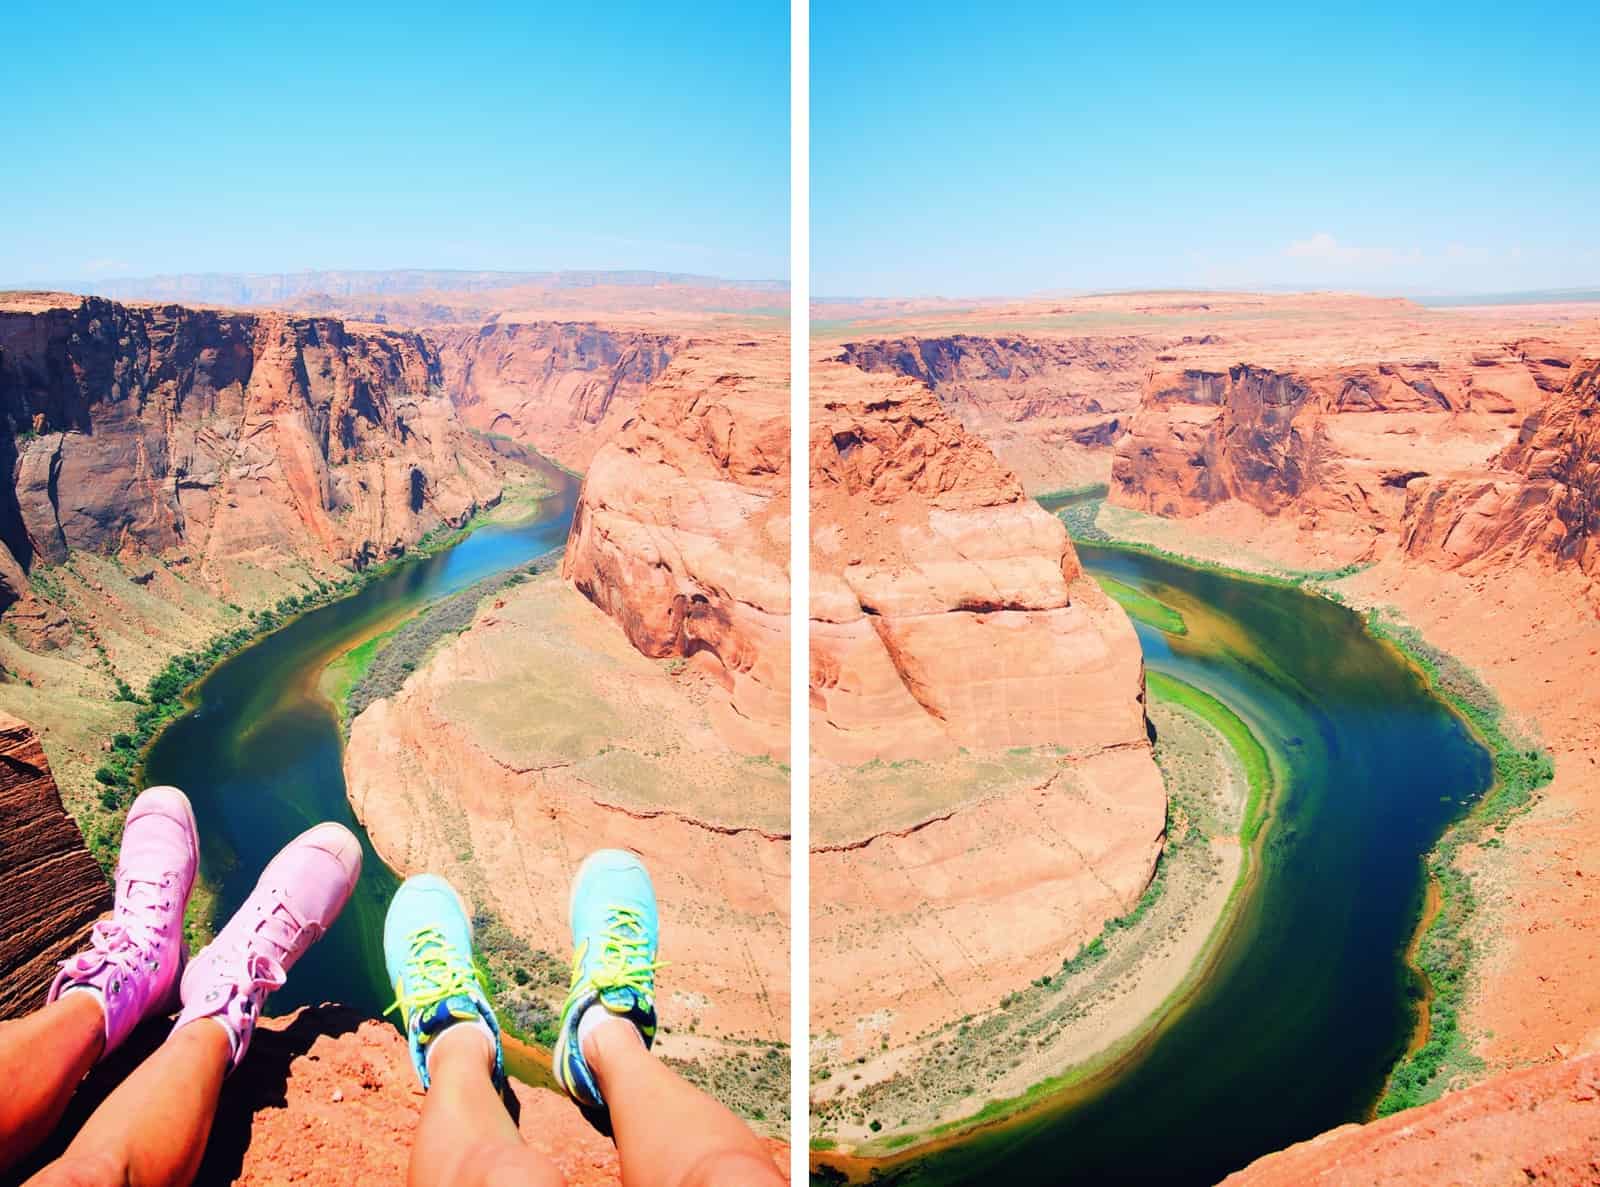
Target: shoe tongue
455,1008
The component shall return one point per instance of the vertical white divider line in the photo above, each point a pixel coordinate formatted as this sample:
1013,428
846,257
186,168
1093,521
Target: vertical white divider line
799,588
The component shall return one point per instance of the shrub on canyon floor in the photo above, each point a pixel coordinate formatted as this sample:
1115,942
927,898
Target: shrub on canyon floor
1446,952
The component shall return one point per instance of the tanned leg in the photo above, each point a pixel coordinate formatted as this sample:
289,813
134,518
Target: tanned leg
668,1132
43,1058
151,1131
466,1137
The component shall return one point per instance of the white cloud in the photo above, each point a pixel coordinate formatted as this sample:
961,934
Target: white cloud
1324,247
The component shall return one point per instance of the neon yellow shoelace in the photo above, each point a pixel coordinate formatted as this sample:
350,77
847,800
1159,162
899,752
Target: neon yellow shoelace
435,971
624,961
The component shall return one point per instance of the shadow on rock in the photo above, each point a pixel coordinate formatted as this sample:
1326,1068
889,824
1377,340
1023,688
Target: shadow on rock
259,1083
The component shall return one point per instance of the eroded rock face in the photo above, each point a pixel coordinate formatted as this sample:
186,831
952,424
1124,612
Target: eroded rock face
1049,408
564,388
1541,498
51,887
948,609
951,623
1540,1125
681,531
219,436
1333,447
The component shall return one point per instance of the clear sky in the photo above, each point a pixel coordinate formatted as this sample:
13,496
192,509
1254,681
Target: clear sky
191,137
1004,148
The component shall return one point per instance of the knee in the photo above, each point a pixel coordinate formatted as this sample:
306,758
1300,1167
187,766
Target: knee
510,1165
89,1168
734,1168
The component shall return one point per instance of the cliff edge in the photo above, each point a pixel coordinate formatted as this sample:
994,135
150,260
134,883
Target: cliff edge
52,889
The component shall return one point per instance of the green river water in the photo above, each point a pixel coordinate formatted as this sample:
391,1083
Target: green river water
260,754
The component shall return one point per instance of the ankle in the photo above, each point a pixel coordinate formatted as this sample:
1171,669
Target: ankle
603,1035
468,1043
85,1007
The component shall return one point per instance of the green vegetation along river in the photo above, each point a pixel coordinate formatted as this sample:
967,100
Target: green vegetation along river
261,756
1308,999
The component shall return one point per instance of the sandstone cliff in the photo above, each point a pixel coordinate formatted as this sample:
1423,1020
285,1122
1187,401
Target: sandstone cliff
948,609
984,795
52,889
1333,448
564,388
1050,408
1539,1125
1540,498
222,439
681,531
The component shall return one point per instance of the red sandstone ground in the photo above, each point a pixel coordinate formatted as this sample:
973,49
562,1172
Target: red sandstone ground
1539,1125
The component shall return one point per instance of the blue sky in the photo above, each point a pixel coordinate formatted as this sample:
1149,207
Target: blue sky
277,137
1005,148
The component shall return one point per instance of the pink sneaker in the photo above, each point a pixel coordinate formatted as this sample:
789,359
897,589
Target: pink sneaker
297,898
135,955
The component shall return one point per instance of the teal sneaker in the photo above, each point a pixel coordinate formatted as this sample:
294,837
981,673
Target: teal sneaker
615,937
427,948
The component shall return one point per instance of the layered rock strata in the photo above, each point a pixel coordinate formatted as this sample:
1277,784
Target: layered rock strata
1334,449
51,887
565,388
984,795
214,438
1540,499
948,609
1050,408
681,530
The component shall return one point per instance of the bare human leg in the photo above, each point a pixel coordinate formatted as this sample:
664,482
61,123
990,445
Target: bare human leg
152,1130
668,1132
43,1058
466,1138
